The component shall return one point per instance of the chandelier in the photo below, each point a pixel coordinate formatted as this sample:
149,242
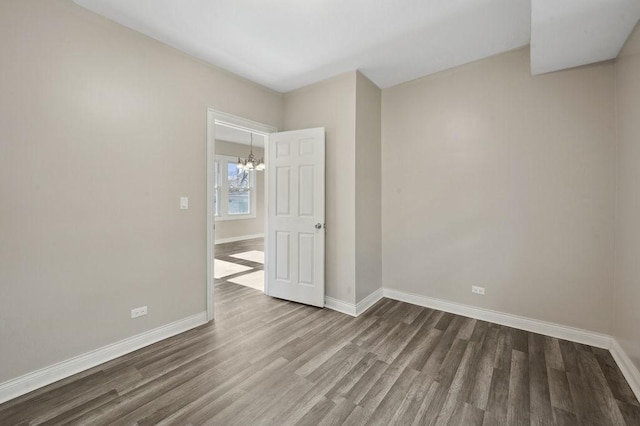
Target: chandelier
251,162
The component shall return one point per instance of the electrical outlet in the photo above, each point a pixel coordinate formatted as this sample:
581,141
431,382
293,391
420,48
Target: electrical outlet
477,290
138,312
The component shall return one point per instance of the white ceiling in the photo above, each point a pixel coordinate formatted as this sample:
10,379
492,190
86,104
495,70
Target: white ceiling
287,44
569,33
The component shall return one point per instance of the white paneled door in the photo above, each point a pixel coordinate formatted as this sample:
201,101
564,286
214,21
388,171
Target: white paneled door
295,255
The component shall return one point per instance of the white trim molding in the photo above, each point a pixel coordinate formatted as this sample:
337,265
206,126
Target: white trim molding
240,238
515,321
216,117
369,301
45,376
351,308
31,381
628,368
340,306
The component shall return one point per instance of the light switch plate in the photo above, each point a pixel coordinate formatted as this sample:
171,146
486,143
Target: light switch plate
184,203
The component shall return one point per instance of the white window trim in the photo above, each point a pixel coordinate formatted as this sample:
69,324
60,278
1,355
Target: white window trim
222,202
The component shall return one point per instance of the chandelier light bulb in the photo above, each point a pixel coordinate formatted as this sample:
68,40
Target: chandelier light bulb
251,162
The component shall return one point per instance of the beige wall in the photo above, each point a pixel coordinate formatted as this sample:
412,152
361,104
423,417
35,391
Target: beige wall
495,178
332,104
368,181
626,312
101,131
242,227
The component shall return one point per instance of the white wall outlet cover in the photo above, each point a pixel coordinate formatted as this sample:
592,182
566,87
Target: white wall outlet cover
138,312
477,290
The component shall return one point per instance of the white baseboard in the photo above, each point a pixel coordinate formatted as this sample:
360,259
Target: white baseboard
351,308
240,238
39,378
31,381
340,306
628,368
515,321
369,301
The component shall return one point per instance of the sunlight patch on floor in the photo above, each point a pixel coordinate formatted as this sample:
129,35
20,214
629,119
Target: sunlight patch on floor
253,280
252,256
224,269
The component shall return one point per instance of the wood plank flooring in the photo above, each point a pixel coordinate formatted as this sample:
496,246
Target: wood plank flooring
272,362
224,252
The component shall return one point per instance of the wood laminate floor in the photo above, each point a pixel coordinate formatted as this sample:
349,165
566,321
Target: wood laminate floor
226,251
268,361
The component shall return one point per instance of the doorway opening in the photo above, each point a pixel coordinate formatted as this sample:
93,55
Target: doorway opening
238,209
237,205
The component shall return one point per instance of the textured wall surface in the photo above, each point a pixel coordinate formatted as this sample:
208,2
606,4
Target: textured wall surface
368,181
332,104
626,312
101,131
497,179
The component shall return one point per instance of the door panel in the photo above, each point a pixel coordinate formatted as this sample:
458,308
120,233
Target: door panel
283,190
283,256
295,263
305,195
305,254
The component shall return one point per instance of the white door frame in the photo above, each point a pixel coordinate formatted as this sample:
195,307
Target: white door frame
216,117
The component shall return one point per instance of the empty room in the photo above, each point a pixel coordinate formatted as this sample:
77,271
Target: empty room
405,212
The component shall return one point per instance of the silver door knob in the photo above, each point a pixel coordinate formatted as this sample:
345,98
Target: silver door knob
318,226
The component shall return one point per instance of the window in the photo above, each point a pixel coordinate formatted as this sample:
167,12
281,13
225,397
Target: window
234,190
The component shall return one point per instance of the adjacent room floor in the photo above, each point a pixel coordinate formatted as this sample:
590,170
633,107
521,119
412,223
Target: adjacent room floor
268,361
240,262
